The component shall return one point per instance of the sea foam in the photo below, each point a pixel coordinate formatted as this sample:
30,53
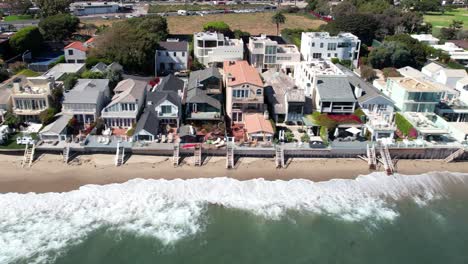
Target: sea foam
37,226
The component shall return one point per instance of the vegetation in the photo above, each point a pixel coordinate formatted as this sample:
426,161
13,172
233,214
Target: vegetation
453,31
61,59
47,116
17,17
58,27
91,61
11,119
18,7
28,73
197,7
196,65
368,73
70,81
305,137
324,134
132,43
53,7
92,75
444,19
422,5
278,18
403,125
293,35
27,38
217,26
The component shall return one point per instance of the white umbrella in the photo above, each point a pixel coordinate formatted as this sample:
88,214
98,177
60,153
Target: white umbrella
337,132
353,130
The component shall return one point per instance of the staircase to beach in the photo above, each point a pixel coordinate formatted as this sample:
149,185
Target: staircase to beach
119,155
28,155
176,155
279,157
455,155
197,155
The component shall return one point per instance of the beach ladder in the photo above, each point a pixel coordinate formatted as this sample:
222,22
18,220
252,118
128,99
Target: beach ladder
119,155
387,160
371,157
279,157
230,156
455,155
197,155
66,153
176,156
28,155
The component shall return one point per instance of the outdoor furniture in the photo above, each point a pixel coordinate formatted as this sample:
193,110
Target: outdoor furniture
163,139
170,138
221,144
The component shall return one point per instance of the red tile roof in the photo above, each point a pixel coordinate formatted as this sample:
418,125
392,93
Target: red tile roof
256,123
241,72
76,45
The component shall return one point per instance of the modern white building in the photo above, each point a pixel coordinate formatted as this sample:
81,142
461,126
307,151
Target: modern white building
456,53
440,74
172,56
31,96
265,54
426,39
306,73
320,45
213,47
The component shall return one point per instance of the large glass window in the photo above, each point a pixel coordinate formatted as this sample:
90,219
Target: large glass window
331,46
166,109
240,93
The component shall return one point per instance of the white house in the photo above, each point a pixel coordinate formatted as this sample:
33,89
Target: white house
265,53
440,74
306,73
126,104
171,56
31,96
426,39
213,47
61,69
75,52
86,100
456,53
320,45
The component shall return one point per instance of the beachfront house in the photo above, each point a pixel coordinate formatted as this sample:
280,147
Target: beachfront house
244,90
334,95
440,74
306,73
86,100
76,52
266,53
31,96
171,56
163,109
204,95
104,68
126,105
57,130
414,94
258,127
286,102
59,71
212,47
321,45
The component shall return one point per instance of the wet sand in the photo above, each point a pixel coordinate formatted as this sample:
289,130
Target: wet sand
49,174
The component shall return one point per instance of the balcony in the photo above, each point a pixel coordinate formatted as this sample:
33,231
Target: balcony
167,115
205,116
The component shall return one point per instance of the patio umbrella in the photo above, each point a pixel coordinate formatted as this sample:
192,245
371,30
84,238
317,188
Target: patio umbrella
353,130
337,132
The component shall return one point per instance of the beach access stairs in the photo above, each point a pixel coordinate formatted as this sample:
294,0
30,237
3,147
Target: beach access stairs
176,155
28,155
197,155
66,153
387,160
119,155
455,155
279,157
371,158
230,156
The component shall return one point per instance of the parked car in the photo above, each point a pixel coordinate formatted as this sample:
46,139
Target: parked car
181,12
25,140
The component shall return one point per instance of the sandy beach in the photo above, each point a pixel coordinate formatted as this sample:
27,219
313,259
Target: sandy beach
49,174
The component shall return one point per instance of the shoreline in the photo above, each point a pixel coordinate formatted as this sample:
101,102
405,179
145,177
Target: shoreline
49,174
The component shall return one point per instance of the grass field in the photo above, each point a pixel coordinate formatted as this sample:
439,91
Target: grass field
15,18
253,23
439,20
28,73
175,8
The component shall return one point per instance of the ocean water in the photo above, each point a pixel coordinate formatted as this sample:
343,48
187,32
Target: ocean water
373,219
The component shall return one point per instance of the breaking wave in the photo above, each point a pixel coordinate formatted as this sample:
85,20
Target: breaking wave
37,225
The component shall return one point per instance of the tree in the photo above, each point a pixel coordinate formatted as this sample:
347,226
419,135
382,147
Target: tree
114,78
390,54
11,119
217,26
367,73
343,8
27,38
374,6
239,34
453,31
132,43
362,25
92,75
19,6
422,5
58,27
419,51
70,81
47,116
53,7
278,18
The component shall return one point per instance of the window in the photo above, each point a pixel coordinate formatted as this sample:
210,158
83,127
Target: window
331,46
183,54
166,109
344,44
270,50
336,55
328,55
259,91
167,53
258,45
237,117
321,45
313,44
175,53
240,93
159,53
317,55
70,52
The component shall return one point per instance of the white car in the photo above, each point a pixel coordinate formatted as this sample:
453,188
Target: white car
129,16
25,140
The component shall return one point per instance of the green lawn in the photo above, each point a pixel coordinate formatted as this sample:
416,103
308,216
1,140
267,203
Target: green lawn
439,20
18,17
11,142
28,73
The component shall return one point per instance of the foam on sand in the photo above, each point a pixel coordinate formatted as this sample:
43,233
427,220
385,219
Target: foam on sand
39,225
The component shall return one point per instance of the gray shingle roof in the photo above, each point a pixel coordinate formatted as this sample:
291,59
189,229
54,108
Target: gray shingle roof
170,83
173,45
197,95
128,91
86,91
335,89
57,126
149,122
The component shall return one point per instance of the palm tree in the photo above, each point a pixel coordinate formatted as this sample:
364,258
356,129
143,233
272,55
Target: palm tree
278,18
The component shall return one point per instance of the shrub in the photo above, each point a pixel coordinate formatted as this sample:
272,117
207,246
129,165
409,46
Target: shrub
289,136
92,75
27,38
218,26
305,138
47,116
413,133
403,125
324,134
70,81
17,66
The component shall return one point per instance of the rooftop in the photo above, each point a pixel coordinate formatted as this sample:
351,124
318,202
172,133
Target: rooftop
128,90
282,87
62,68
327,35
418,84
256,123
425,123
322,67
335,88
240,72
424,37
172,45
86,91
